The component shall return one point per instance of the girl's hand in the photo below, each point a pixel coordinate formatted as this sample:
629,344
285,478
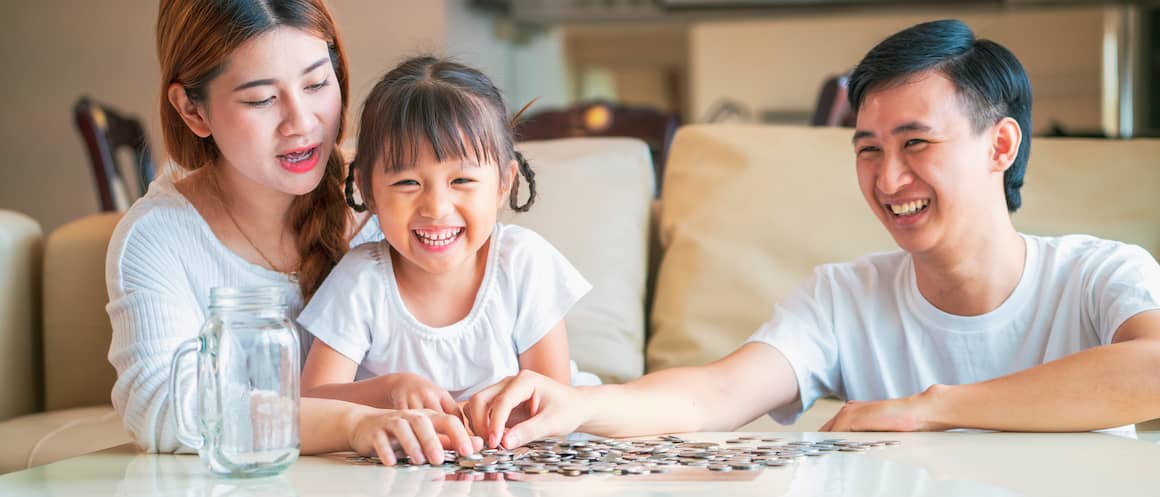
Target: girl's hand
420,434
411,391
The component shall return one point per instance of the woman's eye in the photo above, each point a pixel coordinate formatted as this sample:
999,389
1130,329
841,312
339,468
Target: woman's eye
318,86
259,103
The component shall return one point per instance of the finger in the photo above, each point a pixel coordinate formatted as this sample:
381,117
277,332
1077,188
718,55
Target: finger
453,428
402,430
383,448
424,431
533,428
449,405
829,424
517,392
478,404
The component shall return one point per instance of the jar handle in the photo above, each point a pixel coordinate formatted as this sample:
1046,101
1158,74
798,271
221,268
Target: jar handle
194,440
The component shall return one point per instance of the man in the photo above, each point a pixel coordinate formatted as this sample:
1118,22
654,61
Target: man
971,324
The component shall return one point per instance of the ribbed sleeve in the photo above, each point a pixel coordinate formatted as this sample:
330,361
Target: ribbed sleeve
162,262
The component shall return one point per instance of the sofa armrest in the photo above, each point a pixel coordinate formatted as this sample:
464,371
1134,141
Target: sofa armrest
21,246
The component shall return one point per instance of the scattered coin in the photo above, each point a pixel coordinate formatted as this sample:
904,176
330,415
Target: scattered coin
635,457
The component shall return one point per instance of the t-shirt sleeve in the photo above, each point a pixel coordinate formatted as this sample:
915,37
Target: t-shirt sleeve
547,286
801,329
342,311
1123,282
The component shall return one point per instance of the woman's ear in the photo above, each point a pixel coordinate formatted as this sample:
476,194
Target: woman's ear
1005,148
191,112
505,187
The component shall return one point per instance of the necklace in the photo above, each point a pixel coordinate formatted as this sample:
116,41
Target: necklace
293,274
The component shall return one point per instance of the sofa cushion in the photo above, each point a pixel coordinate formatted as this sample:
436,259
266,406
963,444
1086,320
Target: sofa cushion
77,331
748,211
594,206
21,245
47,437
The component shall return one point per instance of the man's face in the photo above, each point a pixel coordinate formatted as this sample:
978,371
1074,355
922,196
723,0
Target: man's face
932,181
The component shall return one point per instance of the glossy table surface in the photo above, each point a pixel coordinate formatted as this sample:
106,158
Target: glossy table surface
935,464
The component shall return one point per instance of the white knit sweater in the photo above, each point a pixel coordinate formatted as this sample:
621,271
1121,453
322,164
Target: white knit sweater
163,259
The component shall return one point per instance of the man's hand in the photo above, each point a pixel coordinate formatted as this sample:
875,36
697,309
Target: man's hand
906,414
526,407
411,391
421,434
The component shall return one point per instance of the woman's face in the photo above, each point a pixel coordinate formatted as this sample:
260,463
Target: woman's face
274,111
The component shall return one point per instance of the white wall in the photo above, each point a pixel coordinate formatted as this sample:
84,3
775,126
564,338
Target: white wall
779,64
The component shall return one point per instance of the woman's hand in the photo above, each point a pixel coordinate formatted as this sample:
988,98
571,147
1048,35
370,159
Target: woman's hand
421,434
411,391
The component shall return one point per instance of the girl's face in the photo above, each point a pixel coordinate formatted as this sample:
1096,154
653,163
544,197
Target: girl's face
437,215
273,111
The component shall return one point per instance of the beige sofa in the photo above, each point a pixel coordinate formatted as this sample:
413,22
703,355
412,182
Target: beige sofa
746,212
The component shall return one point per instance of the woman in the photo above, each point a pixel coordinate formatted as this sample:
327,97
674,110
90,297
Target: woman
253,101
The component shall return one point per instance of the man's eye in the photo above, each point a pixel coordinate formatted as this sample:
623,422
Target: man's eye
867,150
914,141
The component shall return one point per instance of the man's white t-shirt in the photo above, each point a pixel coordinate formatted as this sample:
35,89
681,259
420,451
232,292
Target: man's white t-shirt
528,287
862,331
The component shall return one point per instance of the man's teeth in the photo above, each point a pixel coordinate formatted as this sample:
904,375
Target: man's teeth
438,238
909,207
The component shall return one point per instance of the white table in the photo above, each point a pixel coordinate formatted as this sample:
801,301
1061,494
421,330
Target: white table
935,464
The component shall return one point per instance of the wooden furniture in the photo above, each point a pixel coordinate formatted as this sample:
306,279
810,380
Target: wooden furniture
106,131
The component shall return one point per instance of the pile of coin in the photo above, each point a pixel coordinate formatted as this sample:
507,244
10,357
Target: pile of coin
638,457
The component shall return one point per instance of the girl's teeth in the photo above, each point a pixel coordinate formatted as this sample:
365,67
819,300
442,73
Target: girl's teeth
438,239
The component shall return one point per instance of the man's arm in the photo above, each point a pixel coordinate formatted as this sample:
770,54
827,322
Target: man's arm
722,395
1102,387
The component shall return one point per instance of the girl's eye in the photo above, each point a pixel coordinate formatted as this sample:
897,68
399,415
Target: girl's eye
259,103
318,86
405,182
462,181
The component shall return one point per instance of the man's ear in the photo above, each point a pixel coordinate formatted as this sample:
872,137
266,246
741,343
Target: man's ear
505,187
1005,148
191,112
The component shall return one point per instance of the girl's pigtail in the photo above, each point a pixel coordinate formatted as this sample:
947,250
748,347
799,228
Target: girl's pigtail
350,201
525,169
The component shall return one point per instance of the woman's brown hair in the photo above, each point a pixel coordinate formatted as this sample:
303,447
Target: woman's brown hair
194,38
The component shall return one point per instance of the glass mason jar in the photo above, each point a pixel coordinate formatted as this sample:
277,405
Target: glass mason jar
248,367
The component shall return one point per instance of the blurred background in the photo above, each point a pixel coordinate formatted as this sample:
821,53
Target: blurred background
612,67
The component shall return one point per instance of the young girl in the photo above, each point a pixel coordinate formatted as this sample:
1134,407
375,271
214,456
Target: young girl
451,301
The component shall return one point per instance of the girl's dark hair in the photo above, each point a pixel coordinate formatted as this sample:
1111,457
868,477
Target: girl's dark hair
991,82
452,108
194,39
